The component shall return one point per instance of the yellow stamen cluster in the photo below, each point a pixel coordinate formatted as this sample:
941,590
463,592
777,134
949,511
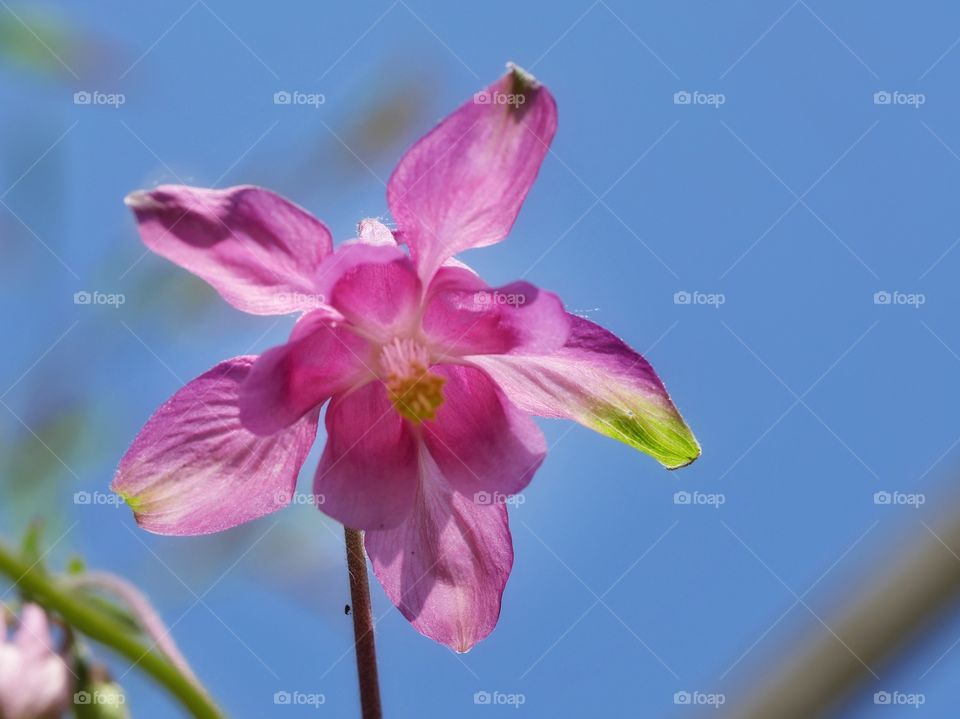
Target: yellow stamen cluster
414,391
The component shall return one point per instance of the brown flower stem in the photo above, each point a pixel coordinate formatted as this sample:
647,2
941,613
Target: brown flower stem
362,612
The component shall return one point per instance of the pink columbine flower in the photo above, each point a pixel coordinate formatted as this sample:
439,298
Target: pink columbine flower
430,373
35,682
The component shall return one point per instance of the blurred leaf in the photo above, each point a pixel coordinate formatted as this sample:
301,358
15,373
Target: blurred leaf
381,120
36,42
34,457
193,297
38,190
31,546
30,460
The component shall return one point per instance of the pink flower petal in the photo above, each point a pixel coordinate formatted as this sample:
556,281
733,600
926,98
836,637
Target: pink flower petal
446,565
35,681
195,469
465,316
462,185
321,358
33,634
480,441
350,255
374,286
380,297
368,473
600,382
258,250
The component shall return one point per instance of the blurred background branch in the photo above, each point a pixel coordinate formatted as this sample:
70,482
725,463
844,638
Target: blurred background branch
908,595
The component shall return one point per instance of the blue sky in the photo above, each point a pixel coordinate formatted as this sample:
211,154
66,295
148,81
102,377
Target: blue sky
804,199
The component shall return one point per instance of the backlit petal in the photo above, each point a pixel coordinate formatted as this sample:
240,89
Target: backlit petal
257,249
597,380
195,469
462,184
367,476
445,567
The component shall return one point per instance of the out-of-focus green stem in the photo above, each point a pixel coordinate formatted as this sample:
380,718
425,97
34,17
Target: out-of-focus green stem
83,617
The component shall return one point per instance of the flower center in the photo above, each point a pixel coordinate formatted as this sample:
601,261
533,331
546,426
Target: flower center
413,389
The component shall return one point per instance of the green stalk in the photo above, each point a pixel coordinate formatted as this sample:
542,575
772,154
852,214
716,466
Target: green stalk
84,618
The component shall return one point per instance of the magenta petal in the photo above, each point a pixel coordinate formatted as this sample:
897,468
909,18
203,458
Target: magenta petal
381,298
195,469
446,565
352,254
462,185
373,285
599,381
258,250
321,358
484,446
367,477
464,316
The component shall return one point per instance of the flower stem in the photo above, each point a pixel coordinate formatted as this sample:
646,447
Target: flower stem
83,617
363,626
